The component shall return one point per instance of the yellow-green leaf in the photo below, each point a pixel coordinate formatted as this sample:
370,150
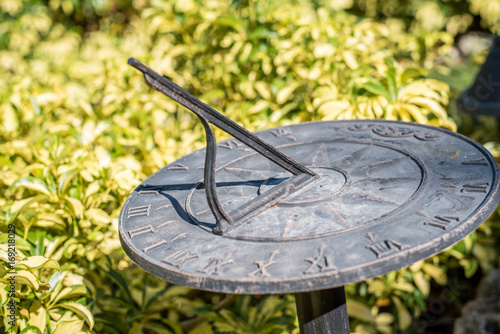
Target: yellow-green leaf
430,105
92,189
438,274
50,220
263,90
23,277
470,266
350,59
80,310
404,317
77,206
38,315
384,318
68,326
284,94
37,262
32,183
359,311
79,290
422,284
98,216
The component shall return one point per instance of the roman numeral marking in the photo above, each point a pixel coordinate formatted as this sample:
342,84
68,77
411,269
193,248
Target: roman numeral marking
178,258
283,132
150,190
177,166
360,127
442,221
421,213
201,246
476,162
138,211
323,262
158,244
214,266
427,137
230,144
162,207
386,247
478,187
262,266
141,230
370,236
164,224
180,236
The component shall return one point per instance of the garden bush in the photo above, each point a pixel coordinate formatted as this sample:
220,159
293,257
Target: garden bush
80,130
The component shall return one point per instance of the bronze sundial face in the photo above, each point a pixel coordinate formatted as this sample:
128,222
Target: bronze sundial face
381,196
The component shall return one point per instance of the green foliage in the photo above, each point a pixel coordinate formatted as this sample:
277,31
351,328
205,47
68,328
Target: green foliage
453,16
80,129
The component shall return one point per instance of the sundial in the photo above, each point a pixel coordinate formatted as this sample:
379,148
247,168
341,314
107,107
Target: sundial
305,208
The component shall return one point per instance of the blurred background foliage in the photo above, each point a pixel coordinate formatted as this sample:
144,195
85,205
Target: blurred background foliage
80,129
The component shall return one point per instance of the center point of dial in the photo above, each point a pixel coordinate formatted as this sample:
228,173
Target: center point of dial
330,182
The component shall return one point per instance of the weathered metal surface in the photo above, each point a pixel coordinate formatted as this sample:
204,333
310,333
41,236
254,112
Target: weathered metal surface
389,194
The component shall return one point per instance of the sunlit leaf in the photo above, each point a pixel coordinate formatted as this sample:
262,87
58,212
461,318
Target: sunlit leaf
438,274
22,277
38,315
32,183
18,206
404,317
64,326
37,262
422,283
80,310
359,311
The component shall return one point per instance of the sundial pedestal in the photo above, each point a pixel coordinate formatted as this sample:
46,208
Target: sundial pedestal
305,208
323,311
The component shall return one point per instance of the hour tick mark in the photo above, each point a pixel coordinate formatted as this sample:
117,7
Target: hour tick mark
166,206
141,230
180,236
476,162
138,211
158,244
478,187
150,190
442,222
177,166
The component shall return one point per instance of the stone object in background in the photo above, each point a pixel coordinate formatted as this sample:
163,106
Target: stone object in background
482,315
483,97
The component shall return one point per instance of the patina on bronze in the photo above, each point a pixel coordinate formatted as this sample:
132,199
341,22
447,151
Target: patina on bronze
305,208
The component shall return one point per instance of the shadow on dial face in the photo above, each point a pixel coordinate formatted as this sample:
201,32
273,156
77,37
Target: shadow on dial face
358,184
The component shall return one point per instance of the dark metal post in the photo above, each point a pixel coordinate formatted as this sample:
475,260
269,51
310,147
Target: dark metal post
322,312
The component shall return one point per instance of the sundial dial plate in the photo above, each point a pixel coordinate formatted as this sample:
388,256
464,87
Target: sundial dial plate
389,194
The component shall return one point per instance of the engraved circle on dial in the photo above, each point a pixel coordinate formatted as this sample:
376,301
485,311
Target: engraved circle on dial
355,177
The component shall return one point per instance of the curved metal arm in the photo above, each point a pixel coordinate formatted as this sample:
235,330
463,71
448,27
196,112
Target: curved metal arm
226,222
221,216
178,94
